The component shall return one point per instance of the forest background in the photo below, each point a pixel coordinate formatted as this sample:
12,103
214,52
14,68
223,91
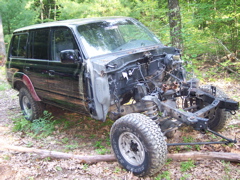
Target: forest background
208,28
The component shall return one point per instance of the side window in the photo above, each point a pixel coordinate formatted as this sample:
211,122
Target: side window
19,45
62,39
39,48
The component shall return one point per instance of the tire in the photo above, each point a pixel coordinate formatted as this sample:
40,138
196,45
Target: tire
138,144
219,119
31,109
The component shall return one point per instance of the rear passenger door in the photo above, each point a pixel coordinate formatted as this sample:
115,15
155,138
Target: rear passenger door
37,60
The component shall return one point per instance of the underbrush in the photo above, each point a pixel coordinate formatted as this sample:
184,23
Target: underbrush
39,128
66,132
211,68
3,83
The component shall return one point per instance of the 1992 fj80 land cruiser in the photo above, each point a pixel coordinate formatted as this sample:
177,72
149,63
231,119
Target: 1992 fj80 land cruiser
114,67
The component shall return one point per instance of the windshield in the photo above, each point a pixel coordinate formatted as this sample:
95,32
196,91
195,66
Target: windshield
114,35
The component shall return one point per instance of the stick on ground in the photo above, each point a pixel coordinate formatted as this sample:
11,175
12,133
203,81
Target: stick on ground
233,157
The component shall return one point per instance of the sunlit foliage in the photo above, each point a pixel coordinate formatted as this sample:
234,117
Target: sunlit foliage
204,22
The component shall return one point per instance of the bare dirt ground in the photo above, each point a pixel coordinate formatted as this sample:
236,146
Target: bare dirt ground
84,136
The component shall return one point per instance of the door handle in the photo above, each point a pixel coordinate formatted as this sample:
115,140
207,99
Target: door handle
51,73
27,68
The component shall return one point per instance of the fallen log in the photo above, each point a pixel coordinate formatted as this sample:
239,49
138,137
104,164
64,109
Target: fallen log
233,157
60,155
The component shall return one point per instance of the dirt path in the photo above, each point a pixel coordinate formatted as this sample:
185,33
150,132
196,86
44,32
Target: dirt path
81,135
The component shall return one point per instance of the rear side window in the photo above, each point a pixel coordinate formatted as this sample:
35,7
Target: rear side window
19,45
39,46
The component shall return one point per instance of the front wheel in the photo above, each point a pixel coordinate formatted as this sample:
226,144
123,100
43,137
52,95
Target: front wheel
138,144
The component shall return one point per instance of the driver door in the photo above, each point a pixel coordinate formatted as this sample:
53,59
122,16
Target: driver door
63,79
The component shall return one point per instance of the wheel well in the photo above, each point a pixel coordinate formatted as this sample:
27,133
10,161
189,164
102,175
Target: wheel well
18,85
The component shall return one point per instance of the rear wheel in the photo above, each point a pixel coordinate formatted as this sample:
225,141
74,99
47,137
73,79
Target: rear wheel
219,118
138,144
31,109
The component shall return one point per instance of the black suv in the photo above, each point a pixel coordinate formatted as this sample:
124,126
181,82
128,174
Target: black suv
114,67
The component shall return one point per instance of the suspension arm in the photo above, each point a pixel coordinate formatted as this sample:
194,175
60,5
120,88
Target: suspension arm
205,143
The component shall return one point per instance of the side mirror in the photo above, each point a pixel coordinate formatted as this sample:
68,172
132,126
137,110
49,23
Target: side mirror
69,56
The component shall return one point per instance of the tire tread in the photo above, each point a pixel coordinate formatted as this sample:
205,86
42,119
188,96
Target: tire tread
151,131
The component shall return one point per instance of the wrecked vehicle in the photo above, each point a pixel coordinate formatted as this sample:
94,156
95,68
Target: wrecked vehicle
114,67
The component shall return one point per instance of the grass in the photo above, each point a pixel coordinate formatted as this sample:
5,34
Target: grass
117,170
213,136
85,166
79,136
101,149
44,126
98,144
58,168
92,136
234,126
65,140
185,176
3,83
21,124
30,144
71,146
39,128
47,126
4,86
188,139
164,175
227,169
108,140
6,157
185,166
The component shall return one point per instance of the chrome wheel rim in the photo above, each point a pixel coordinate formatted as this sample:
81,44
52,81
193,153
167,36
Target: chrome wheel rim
131,148
27,108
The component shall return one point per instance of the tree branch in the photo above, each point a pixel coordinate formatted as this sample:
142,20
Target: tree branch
233,157
60,155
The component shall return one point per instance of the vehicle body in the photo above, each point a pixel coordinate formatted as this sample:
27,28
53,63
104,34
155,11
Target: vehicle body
113,67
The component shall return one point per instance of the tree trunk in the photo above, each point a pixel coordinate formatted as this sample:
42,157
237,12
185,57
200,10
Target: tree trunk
55,10
234,157
175,24
2,45
42,10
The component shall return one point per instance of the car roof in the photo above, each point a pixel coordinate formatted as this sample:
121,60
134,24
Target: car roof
69,23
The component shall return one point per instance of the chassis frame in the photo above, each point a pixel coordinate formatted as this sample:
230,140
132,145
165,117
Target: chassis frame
162,103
